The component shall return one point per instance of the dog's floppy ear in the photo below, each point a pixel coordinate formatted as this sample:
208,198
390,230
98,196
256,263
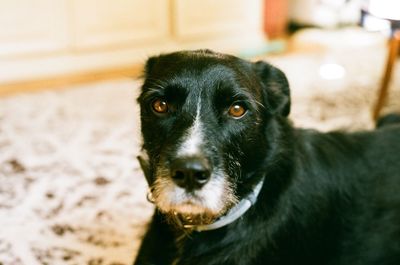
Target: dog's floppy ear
148,66
276,88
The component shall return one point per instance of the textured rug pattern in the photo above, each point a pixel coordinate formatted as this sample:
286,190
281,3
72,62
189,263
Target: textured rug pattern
71,191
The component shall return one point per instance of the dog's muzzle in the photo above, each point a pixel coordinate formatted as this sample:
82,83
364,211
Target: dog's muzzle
190,173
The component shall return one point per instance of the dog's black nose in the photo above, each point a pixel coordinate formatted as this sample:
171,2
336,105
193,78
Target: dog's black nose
190,173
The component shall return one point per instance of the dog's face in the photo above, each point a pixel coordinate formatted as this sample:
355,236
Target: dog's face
207,124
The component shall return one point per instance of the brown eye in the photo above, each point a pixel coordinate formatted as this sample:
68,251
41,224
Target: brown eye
237,111
159,106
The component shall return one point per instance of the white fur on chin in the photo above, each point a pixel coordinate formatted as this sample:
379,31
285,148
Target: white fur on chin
214,198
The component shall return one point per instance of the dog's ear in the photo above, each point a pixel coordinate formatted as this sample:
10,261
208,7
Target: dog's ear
275,88
148,66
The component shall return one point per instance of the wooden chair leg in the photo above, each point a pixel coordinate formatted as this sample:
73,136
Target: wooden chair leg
384,89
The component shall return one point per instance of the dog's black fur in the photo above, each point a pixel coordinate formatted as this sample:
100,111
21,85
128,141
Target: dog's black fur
328,198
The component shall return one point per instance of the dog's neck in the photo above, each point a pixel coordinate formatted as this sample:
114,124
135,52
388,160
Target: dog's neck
231,216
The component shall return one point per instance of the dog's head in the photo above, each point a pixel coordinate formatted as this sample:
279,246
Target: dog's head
209,129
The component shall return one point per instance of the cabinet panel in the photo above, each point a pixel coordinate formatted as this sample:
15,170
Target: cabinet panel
104,22
28,26
209,17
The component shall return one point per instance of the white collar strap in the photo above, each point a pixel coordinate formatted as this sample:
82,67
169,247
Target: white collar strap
232,215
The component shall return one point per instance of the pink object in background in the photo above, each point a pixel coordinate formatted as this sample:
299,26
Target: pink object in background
275,18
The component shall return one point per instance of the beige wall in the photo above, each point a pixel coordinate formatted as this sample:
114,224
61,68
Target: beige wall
45,38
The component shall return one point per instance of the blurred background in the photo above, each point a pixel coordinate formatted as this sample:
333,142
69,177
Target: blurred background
46,39
71,190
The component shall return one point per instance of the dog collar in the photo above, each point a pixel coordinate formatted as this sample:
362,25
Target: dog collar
231,216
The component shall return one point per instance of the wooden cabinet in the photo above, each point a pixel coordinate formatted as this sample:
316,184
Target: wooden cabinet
46,38
196,19
32,27
119,22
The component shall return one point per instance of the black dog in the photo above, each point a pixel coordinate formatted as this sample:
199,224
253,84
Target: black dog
235,183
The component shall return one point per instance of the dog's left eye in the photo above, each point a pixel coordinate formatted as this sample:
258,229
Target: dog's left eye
237,111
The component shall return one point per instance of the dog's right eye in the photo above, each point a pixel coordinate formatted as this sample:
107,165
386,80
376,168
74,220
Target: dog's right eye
160,106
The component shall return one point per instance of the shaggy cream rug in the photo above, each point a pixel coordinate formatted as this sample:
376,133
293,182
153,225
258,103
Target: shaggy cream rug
71,191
